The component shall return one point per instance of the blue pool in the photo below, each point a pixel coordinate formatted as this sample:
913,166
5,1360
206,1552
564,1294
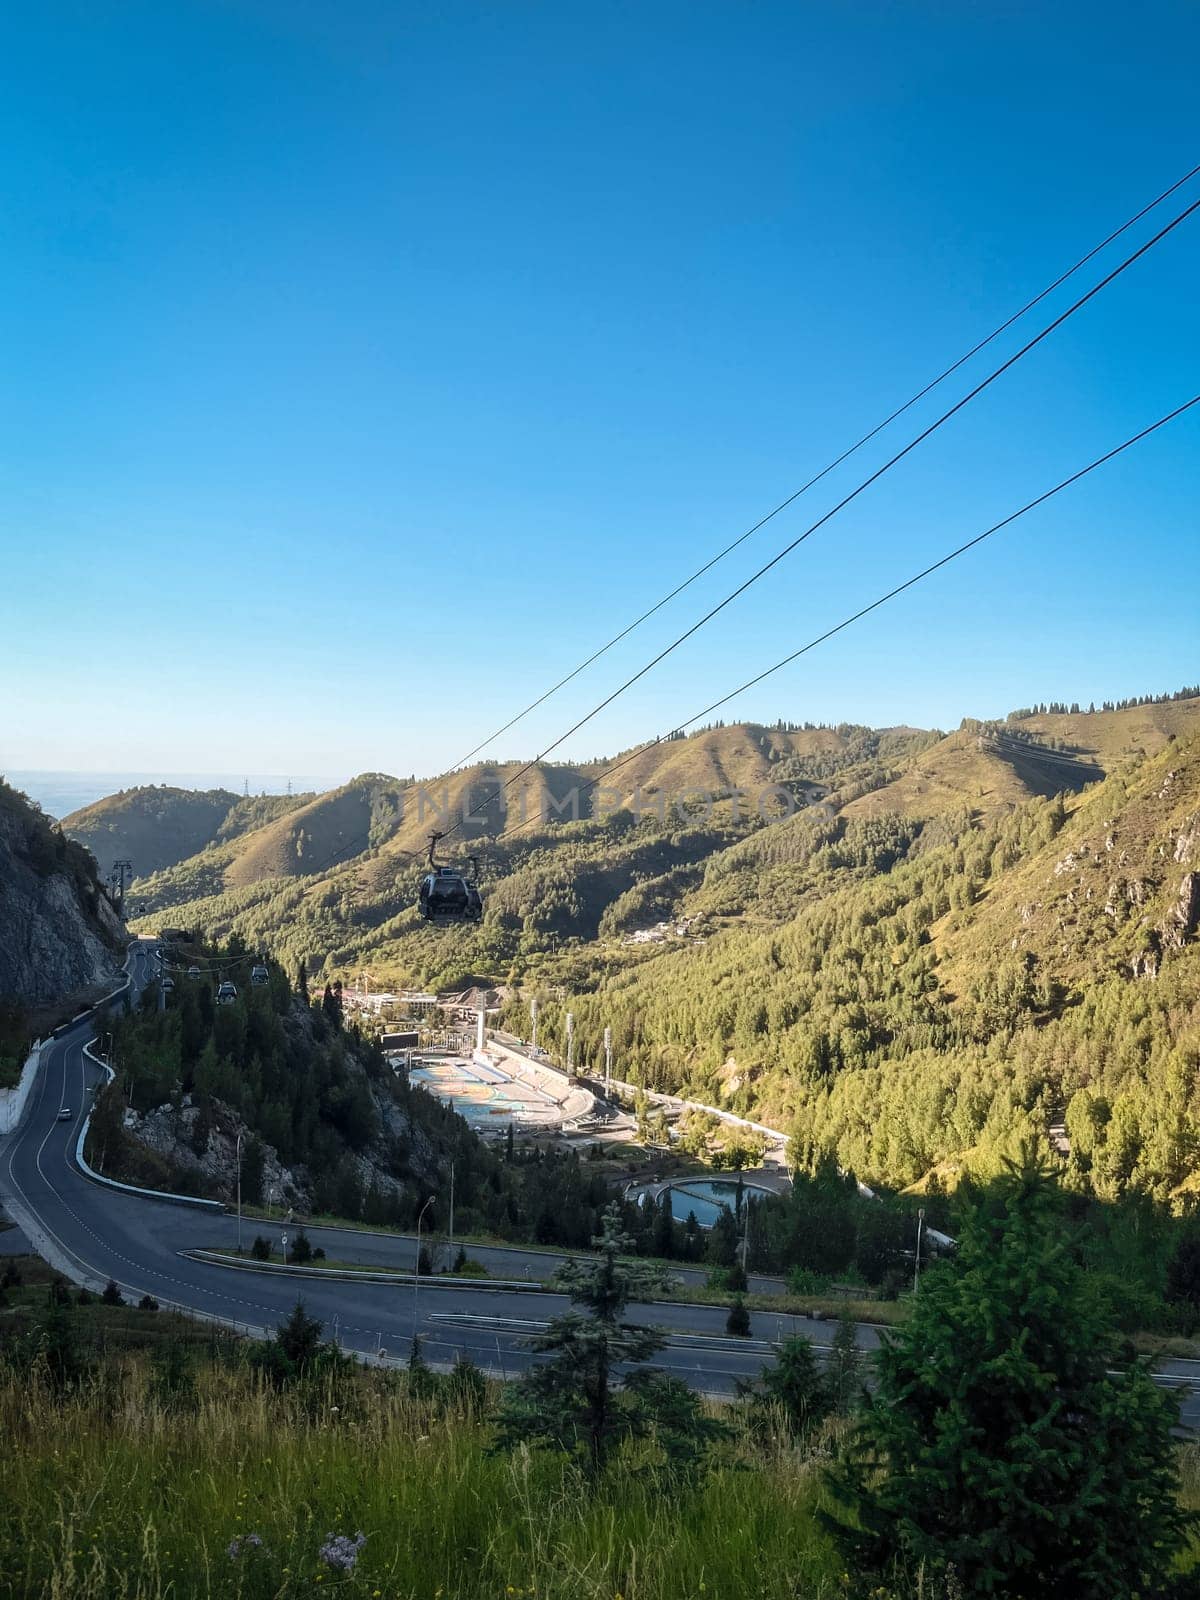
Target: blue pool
707,1197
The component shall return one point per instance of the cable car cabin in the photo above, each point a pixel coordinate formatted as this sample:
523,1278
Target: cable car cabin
448,895
226,993
259,975
193,972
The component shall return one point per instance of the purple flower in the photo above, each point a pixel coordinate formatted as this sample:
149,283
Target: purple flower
341,1552
238,1546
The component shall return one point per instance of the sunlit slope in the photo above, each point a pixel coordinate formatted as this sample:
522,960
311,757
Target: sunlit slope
1106,895
993,766
336,878
937,956
154,826
714,761
376,813
157,826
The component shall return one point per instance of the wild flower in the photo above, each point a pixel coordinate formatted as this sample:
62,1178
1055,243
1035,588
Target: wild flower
341,1552
244,1542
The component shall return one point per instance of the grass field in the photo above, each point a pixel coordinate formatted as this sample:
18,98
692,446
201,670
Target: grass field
173,1470
115,1492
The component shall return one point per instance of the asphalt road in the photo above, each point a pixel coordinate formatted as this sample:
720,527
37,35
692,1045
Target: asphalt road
93,1233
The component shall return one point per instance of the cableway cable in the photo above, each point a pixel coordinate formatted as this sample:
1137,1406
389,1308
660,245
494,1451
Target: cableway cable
825,471
846,500
918,577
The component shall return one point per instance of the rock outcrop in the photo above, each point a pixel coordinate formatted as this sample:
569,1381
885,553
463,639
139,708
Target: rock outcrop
1181,925
59,935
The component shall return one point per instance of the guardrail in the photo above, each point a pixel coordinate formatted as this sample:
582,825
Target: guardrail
401,1277
90,1172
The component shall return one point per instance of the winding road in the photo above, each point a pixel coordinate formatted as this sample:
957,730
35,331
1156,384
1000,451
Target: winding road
92,1233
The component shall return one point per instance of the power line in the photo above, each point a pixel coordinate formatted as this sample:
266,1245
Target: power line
853,495
343,852
919,577
825,471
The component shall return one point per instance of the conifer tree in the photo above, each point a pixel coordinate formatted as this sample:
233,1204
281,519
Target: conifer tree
844,1369
999,1443
574,1402
793,1388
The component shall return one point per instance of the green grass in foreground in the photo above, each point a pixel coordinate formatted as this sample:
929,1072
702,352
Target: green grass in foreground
109,1492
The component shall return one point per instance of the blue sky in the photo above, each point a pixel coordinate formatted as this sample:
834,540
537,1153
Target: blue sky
366,366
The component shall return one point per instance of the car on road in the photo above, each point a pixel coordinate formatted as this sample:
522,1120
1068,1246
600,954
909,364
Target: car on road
65,1114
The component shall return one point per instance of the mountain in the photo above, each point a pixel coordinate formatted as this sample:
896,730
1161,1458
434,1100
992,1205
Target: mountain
919,965
60,940
157,826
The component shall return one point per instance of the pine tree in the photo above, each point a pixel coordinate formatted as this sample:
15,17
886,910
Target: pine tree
844,1369
299,1338
253,1166
302,981
664,1227
792,1389
573,1402
998,1441
1183,1269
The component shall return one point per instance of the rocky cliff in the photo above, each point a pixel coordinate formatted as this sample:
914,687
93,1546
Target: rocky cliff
59,936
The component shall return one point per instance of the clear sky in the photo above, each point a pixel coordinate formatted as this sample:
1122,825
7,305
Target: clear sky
367,365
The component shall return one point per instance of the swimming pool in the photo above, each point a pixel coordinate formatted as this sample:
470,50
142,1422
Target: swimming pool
707,1197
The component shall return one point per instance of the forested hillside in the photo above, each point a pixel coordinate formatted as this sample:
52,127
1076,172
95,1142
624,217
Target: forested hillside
955,938
157,826
945,989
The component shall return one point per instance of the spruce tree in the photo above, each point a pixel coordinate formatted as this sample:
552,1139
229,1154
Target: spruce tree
573,1401
663,1239
844,1368
792,1389
998,1442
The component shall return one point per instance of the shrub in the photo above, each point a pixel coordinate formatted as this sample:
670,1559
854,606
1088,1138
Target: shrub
737,1323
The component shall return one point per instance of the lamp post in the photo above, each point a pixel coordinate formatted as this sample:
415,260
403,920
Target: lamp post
533,1016
608,1063
417,1264
239,1190
917,1268
570,1043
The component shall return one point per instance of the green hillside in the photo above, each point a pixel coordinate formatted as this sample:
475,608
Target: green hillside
157,826
963,996
933,956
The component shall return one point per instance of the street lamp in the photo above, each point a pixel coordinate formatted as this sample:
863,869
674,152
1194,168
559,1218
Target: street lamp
417,1264
917,1268
239,1190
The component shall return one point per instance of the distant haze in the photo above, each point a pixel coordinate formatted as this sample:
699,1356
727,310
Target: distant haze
60,793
